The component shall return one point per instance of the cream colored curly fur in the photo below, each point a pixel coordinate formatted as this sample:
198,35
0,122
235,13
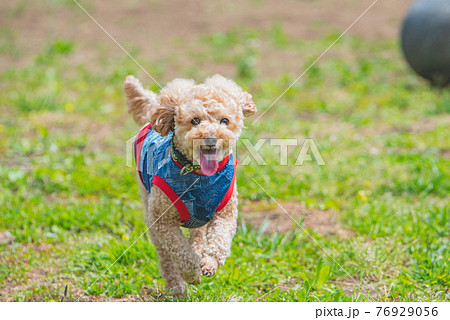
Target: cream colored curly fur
181,259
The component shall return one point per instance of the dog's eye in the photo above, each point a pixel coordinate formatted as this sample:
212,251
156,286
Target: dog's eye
195,121
225,121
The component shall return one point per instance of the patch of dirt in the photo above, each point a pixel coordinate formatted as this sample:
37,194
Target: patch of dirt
430,123
47,281
333,126
42,284
97,133
445,153
324,222
424,125
371,287
6,237
350,286
101,136
154,27
35,277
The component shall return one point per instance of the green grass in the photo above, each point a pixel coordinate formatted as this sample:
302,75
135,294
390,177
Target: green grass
73,205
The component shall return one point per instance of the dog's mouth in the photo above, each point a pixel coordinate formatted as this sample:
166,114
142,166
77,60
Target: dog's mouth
208,160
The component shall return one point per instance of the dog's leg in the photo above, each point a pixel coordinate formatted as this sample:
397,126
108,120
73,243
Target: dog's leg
197,240
164,222
169,273
220,232
185,260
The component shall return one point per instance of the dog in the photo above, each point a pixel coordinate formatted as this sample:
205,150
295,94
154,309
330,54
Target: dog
186,171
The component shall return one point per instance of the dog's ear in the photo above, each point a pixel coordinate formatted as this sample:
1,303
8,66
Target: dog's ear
248,106
162,117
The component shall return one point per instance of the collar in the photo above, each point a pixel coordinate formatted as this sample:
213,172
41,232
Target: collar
179,158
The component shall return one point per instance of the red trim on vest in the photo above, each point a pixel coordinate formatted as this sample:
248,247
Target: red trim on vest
222,164
138,143
230,190
177,202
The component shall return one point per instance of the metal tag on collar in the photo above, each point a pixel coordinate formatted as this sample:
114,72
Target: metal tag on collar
183,171
186,169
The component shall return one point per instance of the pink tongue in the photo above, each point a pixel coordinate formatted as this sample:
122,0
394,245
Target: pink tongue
208,162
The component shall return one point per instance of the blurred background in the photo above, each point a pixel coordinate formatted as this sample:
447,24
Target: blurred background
171,38
69,205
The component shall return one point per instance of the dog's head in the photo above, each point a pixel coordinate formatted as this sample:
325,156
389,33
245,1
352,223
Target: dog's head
206,118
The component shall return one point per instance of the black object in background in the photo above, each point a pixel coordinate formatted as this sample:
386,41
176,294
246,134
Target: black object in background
425,40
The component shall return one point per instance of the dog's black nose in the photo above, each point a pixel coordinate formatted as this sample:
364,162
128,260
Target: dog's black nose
210,141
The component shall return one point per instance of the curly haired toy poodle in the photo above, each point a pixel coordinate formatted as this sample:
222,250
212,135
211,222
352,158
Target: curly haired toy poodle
186,171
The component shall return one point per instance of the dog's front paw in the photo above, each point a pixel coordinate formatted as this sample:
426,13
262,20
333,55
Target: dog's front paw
209,266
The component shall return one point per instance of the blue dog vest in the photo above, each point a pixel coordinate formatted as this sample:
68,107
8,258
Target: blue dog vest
196,197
